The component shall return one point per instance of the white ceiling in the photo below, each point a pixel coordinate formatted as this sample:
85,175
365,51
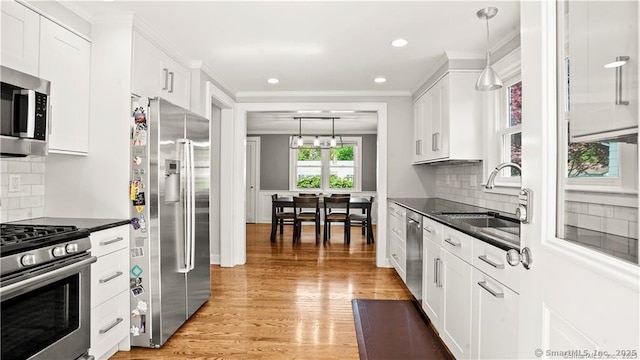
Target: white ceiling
286,123
316,45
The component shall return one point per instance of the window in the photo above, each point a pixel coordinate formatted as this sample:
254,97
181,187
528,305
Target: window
504,131
327,170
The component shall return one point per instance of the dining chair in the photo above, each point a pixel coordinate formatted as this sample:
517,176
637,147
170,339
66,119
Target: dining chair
301,213
331,203
312,195
281,217
361,220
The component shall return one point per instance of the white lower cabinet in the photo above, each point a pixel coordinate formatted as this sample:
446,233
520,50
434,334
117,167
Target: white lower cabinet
432,285
475,314
456,312
495,319
109,292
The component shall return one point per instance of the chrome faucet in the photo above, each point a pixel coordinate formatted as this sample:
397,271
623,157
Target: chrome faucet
494,173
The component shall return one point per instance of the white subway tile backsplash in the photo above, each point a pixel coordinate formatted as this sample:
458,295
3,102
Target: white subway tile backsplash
19,167
29,201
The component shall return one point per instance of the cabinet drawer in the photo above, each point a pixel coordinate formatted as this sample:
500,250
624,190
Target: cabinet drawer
431,230
457,243
398,257
109,276
397,211
398,227
107,241
109,324
493,262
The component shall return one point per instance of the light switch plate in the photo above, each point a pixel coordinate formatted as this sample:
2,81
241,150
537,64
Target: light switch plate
14,183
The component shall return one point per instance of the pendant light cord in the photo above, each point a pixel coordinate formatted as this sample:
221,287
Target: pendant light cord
488,54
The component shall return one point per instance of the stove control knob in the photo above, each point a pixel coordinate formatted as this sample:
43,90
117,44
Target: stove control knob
28,260
72,248
58,251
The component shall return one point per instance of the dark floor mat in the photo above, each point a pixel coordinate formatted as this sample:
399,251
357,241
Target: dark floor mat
393,329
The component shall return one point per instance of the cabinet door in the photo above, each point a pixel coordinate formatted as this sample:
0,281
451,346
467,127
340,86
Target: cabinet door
456,314
439,121
65,60
495,319
146,69
20,38
178,83
598,33
417,129
432,283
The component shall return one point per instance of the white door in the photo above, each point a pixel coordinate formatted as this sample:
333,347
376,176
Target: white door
251,182
572,298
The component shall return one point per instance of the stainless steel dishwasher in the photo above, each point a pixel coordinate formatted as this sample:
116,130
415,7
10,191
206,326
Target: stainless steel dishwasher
414,255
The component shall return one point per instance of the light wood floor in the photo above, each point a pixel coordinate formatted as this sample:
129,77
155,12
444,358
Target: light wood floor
288,302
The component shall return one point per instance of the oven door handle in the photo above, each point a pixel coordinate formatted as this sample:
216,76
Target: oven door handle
61,272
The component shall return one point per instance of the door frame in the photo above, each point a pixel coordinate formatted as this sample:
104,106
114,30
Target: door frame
239,191
256,171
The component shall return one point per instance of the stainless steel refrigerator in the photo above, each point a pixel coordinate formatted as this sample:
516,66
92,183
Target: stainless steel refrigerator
169,192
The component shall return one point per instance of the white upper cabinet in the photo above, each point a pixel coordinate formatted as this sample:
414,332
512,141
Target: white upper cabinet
449,121
65,60
603,100
20,28
157,74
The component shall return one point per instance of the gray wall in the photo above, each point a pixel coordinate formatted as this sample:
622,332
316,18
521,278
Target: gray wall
274,161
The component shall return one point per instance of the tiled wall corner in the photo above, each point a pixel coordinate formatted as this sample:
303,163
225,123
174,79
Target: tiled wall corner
453,182
28,202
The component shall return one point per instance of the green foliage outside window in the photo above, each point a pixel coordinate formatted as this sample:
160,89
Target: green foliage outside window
309,154
342,154
336,182
309,181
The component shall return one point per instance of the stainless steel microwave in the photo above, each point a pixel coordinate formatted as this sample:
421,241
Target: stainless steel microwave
25,114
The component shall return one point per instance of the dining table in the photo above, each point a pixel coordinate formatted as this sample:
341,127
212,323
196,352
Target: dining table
354,203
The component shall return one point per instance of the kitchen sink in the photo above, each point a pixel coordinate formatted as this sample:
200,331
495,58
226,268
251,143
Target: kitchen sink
482,220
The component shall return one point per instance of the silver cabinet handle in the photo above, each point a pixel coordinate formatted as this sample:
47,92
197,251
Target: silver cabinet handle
435,271
439,273
165,83
171,77
483,284
107,242
495,265
109,278
433,142
619,100
448,241
429,230
111,326
437,141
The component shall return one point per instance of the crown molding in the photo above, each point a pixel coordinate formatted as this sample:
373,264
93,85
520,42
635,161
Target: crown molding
503,39
203,66
73,7
164,44
336,93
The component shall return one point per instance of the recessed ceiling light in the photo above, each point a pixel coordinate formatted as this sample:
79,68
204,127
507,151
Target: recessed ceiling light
380,80
342,111
399,43
273,81
309,111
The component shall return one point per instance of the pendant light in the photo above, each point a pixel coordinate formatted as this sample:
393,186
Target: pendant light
489,79
333,132
316,141
299,142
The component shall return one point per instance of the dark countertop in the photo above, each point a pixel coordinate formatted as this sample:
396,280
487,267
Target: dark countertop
434,207
92,225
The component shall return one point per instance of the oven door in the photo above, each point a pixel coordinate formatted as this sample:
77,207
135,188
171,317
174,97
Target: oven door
46,311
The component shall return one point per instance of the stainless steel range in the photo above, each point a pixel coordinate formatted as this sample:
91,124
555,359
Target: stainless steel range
45,274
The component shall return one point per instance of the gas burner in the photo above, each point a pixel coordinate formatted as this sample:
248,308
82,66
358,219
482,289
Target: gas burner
15,238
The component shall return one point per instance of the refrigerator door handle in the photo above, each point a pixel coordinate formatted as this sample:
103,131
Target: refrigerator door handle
186,205
192,210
